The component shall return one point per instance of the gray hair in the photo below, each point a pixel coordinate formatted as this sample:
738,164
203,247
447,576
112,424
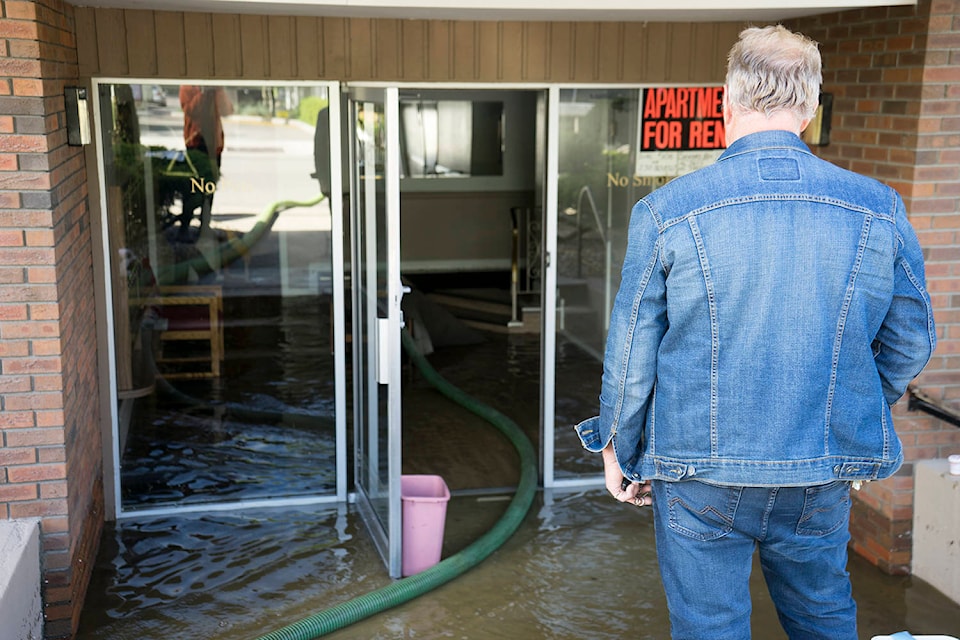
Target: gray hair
772,69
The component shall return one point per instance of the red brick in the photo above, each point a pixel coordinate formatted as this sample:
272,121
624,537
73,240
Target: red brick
50,526
37,275
937,173
56,594
35,437
27,87
14,384
18,29
46,347
12,312
53,419
11,420
31,365
21,10
33,401
48,383
23,144
17,456
37,473
25,218
40,509
51,454
11,238
20,68
49,310
27,256
29,330
40,238
18,492
943,74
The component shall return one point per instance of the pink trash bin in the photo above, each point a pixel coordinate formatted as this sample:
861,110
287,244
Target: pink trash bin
424,501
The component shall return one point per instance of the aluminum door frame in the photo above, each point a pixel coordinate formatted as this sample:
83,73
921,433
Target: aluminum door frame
109,400
383,364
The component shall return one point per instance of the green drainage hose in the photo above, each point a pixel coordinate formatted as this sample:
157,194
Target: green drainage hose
409,588
235,247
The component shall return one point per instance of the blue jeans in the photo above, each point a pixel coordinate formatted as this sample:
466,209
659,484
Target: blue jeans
706,536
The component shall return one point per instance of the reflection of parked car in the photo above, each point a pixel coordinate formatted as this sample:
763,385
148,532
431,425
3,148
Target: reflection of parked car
157,96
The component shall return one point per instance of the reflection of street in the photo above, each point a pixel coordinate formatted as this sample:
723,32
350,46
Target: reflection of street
264,162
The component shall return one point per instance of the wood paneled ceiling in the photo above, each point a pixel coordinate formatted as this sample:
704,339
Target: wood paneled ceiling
513,10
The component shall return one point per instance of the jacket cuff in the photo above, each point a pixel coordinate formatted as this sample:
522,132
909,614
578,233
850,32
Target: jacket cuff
589,433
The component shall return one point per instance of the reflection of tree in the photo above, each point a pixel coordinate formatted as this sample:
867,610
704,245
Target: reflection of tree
126,210
174,184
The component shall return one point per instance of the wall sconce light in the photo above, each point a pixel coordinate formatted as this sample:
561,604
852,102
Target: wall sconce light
817,133
78,117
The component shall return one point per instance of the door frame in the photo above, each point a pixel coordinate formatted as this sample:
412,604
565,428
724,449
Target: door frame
379,363
109,397
109,400
547,370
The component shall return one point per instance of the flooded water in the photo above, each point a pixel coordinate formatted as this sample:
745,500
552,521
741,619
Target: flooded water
580,566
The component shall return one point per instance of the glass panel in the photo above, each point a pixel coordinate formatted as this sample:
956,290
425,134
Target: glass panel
220,266
371,303
595,193
608,159
451,138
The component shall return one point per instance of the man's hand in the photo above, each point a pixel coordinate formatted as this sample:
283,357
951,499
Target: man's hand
635,493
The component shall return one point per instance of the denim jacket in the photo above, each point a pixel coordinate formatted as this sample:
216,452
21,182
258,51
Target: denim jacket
772,308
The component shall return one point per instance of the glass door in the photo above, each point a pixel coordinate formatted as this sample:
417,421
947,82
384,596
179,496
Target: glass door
377,320
224,270
603,158
594,134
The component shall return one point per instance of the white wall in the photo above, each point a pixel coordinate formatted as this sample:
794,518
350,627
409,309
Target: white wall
936,527
21,611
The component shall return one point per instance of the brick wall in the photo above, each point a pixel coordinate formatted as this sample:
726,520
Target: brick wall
50,455
895,76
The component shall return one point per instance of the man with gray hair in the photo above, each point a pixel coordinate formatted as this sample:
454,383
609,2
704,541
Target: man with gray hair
772,308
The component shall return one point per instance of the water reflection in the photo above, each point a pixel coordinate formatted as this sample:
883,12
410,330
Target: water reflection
263,430
196,576
190,457
580,566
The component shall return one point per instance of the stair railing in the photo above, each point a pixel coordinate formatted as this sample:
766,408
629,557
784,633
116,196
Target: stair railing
604,231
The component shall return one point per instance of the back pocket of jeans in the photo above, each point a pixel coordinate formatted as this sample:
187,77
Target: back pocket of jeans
826,508
701,511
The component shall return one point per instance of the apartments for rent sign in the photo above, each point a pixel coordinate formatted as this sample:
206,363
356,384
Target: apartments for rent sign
681,130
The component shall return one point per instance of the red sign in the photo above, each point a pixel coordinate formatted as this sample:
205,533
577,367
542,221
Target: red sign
682,119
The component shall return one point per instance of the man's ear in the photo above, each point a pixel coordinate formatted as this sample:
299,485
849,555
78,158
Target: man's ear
727,111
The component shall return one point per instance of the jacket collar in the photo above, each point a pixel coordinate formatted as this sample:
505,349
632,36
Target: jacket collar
763,140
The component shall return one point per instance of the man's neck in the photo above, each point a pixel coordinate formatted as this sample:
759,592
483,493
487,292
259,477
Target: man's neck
743,123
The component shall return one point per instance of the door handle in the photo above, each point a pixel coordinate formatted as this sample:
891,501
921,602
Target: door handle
383,351
403,291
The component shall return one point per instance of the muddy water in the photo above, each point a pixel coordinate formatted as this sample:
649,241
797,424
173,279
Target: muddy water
581,566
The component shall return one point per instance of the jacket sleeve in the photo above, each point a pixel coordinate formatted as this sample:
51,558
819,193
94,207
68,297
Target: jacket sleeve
637,324
907,337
